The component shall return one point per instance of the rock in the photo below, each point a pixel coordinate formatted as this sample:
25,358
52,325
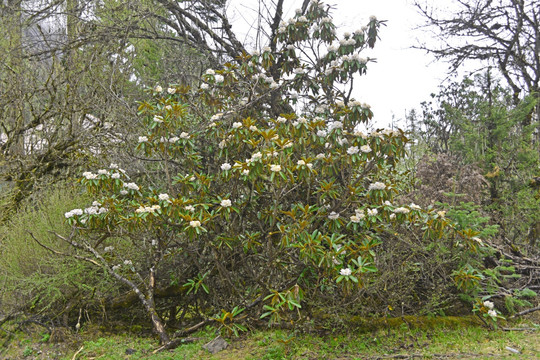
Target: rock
216,345
130,351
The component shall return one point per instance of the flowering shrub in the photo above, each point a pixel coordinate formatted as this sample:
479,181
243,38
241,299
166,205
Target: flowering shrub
252,197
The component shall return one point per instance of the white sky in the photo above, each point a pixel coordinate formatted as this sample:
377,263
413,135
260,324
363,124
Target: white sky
402,77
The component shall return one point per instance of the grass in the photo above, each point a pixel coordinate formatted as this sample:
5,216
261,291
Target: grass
401,342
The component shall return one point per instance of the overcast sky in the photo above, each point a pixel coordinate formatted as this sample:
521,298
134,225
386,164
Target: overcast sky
402,77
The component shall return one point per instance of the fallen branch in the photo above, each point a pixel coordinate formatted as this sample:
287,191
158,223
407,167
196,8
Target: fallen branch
175,343
525,312
77,353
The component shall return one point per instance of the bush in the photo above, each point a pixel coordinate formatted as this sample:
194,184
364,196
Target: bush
38,281
251,210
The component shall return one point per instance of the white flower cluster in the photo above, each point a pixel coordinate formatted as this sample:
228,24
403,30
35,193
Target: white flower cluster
333,215
226,166
335,125
226,203
219,78
377,186
195,223
95,209
353,150
345,272
147,209
163,197
365,148
401,210
131,186
143,139
347,42
358,215
415,207
275,167
73,212
158,118
303,163
372,212
89,175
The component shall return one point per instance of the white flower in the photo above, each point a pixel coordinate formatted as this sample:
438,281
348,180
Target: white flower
128,262
256,156
245,172
335,125
372,212
184,135
92,210
195,223
222,144
158,119
225,166
392,216
115,267
387,203
372,18
478,240
219,78
189,208
352,150
131,186
163,197
300,162
123,192
333,215
489,304
309,165
321,133
320,156
302,19
345,272
158,89
210,72
281,119
298,71
237,125
89,176
108,249
113,166
174,139
143,139
355,218
401,210
275,168
168,107
226,203
77,212
365,149
102,172
266,49
204,86
415,207
377,186
171,90
492,313
253,128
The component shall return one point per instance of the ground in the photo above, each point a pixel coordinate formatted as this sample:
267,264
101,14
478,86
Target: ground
394,342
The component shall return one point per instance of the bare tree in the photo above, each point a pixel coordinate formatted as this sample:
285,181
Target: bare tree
500,33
